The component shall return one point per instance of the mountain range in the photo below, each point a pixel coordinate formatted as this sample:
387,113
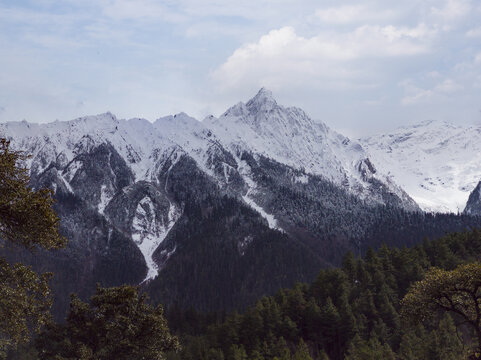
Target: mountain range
214,214
435,162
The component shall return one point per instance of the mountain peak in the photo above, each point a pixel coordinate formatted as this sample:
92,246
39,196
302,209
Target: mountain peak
264,92
262,101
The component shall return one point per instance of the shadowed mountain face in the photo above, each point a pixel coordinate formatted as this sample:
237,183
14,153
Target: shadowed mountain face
473,206
212,214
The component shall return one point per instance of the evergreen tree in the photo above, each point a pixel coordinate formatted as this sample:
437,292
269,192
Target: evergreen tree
447,344
117,324
367,350
281,350
237,353
414,344
302,352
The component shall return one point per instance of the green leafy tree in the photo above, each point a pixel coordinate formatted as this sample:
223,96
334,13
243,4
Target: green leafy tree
117,324
457,292
26,219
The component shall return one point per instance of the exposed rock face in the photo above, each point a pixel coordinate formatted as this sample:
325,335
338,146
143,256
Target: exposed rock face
289,136
473,206
225,210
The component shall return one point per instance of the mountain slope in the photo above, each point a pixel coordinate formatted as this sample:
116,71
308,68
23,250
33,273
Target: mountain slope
289,136
212,214
437,163
473,206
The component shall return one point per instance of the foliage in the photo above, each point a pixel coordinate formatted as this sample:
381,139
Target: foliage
26,219
117,324
26,215
366,350
457,291
24,303
352,311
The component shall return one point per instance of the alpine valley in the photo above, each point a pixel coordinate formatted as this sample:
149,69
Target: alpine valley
213,214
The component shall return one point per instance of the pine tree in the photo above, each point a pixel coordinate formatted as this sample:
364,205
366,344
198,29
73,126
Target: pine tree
360,349
281,350
323,355
237,353
414,344
302,352
447,344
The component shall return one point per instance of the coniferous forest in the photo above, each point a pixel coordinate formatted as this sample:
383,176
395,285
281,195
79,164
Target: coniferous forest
350,312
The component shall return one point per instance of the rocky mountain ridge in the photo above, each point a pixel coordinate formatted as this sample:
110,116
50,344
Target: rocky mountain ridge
244,204
136,150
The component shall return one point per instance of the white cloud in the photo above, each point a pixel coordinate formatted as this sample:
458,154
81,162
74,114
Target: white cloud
417,95
282,56
352,14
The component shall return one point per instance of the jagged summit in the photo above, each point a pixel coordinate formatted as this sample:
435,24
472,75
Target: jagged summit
261,126
263,114
262,101
289,136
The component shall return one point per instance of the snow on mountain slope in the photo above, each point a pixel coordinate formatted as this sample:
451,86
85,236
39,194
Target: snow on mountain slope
289,136
85,155
437,163
134,139
99,158
191,135
148,231
146,149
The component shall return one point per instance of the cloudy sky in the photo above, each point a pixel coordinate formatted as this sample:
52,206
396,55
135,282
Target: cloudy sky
360,67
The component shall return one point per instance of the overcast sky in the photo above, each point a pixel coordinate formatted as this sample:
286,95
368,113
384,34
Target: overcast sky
361,67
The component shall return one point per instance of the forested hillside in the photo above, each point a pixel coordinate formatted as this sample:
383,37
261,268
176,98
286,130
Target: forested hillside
351,312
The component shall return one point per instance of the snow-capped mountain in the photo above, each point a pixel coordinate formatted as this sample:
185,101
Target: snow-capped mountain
136,150
436,163
289,136
101,159
243,204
